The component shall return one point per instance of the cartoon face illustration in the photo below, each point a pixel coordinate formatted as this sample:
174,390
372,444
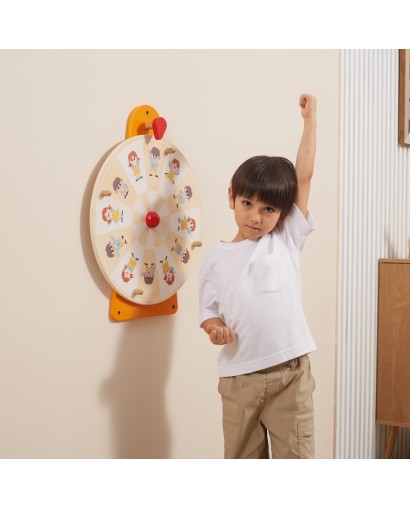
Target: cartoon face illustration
109,214
179,249
127,272
191,224
134,164
110,249
187,193
120,187
184,195
113,247
170,277
154,157
185,256
174,166
186,224
133,159
174,170
148,273
168,271
155,154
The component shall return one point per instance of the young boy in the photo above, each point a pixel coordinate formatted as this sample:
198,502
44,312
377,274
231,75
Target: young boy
250,301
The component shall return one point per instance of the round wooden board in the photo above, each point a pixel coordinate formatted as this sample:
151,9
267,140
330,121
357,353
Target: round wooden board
142,175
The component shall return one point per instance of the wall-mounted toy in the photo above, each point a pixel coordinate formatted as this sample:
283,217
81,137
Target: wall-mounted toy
145,219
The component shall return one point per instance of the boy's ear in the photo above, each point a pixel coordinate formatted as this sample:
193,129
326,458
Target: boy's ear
231,200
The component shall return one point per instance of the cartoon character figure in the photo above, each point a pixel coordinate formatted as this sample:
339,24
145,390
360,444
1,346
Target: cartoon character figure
109,214
154,157
169,272
187,224
148,273
174,170
127,272
120,186
113,247
179,249
134,164
184,195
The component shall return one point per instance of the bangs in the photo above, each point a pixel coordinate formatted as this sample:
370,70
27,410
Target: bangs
271,180
267,192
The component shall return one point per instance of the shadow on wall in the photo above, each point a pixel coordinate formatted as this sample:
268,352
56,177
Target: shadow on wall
135,392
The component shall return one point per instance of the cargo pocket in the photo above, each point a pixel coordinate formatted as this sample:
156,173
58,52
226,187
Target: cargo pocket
306,439
270,273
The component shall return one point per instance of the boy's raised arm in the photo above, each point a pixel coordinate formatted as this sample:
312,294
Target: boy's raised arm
305,158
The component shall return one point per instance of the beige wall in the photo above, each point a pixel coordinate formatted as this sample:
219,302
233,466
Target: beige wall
72,383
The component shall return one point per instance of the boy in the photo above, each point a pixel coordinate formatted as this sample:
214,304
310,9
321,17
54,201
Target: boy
250,301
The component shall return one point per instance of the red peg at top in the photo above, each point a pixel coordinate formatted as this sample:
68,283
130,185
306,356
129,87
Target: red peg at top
158,125
152,219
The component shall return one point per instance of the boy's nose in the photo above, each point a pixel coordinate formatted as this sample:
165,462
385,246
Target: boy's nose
256,219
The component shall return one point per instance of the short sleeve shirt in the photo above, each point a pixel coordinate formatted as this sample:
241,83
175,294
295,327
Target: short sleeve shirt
254,287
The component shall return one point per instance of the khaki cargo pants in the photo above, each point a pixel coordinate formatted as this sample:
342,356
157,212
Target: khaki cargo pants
275,403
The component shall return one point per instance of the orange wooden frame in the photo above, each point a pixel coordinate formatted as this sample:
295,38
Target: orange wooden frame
120,308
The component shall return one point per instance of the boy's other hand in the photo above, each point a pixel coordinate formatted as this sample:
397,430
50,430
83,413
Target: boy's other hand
222,335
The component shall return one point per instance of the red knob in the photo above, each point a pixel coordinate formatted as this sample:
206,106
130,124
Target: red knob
152,219
159,126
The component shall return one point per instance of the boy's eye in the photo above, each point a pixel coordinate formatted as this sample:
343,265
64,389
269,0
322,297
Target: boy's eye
246,203
270,209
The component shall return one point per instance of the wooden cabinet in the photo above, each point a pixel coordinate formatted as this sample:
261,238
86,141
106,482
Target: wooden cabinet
393,347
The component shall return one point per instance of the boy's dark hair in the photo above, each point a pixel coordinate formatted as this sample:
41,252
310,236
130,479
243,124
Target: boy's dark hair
271,180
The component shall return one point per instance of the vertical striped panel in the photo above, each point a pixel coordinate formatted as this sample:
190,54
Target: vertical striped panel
374,223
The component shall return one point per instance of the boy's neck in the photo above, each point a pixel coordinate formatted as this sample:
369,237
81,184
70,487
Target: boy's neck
240,238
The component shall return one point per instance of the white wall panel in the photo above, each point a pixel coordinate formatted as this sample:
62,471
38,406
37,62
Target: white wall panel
374,223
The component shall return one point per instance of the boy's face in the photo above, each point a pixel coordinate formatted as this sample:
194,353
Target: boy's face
254,218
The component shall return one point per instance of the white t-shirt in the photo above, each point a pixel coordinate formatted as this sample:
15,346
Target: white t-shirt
254,287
